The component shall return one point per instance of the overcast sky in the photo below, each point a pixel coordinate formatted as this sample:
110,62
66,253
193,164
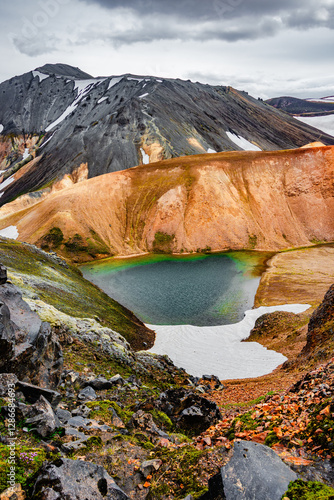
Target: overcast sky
266,47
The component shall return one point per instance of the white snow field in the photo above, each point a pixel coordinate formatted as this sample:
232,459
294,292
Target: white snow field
218,350
10,232
242,142
323,123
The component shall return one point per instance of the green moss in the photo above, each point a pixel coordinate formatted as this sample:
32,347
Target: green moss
162,420
271,439
163,242
53,239
104,411
243,422
308,490
27,460
183,468
252,240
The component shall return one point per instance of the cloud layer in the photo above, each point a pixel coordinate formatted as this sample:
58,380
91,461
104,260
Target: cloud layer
249,43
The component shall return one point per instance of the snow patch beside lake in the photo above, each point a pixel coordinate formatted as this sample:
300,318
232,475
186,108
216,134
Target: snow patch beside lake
218,350
242,142
10,232
323,123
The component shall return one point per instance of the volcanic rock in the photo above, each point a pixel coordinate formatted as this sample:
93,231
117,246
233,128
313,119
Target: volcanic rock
74,480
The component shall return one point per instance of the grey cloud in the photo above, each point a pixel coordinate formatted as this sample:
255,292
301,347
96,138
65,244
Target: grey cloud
35,46
223,9
228,20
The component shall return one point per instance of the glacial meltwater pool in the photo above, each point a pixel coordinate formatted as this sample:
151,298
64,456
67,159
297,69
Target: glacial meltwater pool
201,290
200,307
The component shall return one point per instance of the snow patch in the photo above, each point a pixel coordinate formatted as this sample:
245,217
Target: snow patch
25,154
159,81
102,99
6,183
137,79
1,128
49,139
114,82
40,75
323,123
145,157
83,87
242,142
10,232
218,350
210,150
143,95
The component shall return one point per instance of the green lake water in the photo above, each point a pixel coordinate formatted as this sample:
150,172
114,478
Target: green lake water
202,290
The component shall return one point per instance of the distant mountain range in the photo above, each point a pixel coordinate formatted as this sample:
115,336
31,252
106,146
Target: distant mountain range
304,107
58,122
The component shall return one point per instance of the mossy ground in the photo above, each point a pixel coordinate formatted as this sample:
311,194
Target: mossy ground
67,290
308,490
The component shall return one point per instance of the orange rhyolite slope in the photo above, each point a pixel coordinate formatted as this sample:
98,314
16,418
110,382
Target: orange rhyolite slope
235,200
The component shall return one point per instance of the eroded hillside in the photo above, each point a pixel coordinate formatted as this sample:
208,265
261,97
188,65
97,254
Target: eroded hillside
237,200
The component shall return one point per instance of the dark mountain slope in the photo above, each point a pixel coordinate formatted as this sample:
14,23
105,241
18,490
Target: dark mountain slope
110,124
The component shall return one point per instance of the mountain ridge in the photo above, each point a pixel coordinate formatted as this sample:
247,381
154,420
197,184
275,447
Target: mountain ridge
114,123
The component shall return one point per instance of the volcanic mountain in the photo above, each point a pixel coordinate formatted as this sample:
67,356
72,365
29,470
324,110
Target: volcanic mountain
233,200
58,121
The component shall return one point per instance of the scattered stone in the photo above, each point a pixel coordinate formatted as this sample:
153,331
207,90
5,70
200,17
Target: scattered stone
13,493
99,384
149,466
63,415
188,410
81,411
73,480
117,380
87,394
145,422
79,444
33,392
41,416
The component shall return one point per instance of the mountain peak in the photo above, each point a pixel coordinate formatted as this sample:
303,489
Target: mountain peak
64,70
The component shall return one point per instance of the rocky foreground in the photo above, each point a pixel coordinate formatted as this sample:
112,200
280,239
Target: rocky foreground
93,417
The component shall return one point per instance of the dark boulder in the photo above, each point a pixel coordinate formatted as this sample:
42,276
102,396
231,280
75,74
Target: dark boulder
40,363
33,392
7,338
75,480
28,347
40,416
254,472
188,410
87,394
99,384
3,274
